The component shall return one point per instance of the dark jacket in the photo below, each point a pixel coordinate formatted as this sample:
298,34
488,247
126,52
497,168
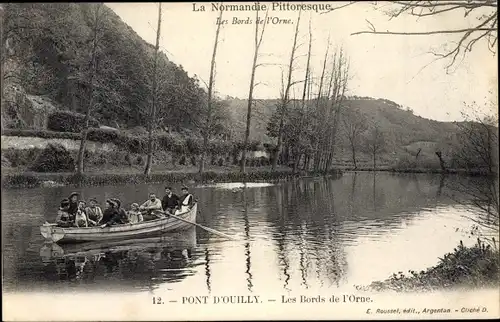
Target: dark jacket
63,219
170,202
108,214
73,208
120,217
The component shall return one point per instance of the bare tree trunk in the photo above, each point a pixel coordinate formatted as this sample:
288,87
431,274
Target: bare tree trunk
441,161
151,124
353,149
286,96
258,41
93,71
206,130
374,160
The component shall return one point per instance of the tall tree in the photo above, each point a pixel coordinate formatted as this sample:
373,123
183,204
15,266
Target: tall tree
375,143
354,125
208,117
152,112
340,75
257,43
93,70
285,96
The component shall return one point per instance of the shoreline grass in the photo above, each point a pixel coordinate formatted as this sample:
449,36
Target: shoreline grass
471,267
37,179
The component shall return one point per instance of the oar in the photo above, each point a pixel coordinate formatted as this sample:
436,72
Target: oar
213,231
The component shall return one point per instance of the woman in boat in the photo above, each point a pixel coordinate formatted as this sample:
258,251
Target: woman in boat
122,214
73,203
134,214
109,212
118,214
94,213
63,218
81,217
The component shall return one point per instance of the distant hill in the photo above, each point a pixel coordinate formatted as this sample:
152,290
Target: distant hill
404,132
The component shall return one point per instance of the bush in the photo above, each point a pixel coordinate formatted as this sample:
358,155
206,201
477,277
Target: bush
20,157
54,158
465,266
194,145
66,121
42,134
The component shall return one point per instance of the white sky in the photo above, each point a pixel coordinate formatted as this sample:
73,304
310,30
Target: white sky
381,66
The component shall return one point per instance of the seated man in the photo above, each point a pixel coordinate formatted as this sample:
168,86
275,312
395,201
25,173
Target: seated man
186,201
170,202
63,218
151,208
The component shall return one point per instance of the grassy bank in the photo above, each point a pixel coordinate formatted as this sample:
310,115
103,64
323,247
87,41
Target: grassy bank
36,179
477,266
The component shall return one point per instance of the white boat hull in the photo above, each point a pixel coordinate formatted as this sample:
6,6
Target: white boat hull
52,233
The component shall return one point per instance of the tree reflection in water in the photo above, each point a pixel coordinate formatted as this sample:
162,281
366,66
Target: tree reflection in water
141,263
308,243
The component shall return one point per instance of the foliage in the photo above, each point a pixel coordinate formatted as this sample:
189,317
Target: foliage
20,157
54,158
31,180
52,45
67,121
41,134
473,267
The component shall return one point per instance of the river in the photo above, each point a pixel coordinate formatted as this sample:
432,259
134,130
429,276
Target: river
308,235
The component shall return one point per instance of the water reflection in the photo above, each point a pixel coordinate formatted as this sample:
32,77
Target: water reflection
299,235
141,263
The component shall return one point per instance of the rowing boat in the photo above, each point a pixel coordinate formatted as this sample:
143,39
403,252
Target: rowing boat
52,233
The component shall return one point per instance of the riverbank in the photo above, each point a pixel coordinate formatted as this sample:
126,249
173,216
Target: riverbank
471,267
184,176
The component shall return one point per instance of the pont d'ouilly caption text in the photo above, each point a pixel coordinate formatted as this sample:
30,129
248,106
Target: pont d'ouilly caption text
369,305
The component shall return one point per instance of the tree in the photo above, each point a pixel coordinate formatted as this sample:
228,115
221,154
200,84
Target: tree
257,43
208,117
285,96
479,17
340,78
354,125
375,143
152,113
93,70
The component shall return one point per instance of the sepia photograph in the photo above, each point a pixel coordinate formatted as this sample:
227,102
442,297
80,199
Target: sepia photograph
244,160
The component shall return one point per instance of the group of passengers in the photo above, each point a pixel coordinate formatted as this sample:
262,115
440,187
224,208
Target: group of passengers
75,212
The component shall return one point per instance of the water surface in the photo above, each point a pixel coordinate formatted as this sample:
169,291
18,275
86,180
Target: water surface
307,235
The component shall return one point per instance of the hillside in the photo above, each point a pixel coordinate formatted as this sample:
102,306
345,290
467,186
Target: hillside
46,54
402,129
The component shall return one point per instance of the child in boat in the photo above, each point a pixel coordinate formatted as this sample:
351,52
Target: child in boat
81,217
94,213
134,214
63,218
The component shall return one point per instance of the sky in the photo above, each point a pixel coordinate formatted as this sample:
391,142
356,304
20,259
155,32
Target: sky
398,68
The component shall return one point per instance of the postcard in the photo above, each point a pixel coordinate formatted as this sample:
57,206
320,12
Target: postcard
250,161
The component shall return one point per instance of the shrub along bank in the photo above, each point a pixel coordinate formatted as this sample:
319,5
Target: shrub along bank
172,142
30,180
476,266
